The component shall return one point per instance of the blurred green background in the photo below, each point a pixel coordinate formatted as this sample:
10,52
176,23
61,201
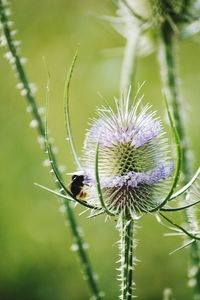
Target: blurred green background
36,262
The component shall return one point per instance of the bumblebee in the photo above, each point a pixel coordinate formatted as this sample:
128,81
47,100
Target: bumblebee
77,187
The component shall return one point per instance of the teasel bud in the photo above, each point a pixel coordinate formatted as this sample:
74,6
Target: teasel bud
134,162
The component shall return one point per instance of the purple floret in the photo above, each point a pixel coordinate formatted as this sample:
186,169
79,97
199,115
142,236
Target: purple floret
147,133
136,179
137,132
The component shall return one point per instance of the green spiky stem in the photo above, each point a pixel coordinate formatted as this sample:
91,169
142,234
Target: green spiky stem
130,283
22,76
126,257
126,231
171,87
129,62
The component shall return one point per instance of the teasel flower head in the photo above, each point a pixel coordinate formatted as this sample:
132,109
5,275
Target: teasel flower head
126,168
176,12
149,16
133,158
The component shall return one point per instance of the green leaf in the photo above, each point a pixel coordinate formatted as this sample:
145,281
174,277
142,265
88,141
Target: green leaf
186,187
179,158
106,209
54,192
192,236
51,157
182,247
179,208
66,111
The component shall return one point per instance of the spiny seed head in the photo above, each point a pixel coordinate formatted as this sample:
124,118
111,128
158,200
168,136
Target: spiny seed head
158,11
133,162
149,18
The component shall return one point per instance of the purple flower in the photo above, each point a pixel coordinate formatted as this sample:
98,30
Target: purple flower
134,162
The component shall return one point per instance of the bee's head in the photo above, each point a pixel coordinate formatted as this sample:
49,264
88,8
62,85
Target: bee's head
78,178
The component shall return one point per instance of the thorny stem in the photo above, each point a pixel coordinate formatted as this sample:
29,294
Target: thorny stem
126,225
126,257
130,267
129,62
86,265
170,83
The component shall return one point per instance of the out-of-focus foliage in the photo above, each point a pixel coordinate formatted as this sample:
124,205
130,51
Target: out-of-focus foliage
35,258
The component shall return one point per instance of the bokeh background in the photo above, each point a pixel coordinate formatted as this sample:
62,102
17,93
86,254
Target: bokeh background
36,262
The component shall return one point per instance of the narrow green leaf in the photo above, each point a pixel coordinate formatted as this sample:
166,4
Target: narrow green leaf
51,157
66,111
54,192
158,219
106,209
187,186
179,158
182,247
179,208
179,227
